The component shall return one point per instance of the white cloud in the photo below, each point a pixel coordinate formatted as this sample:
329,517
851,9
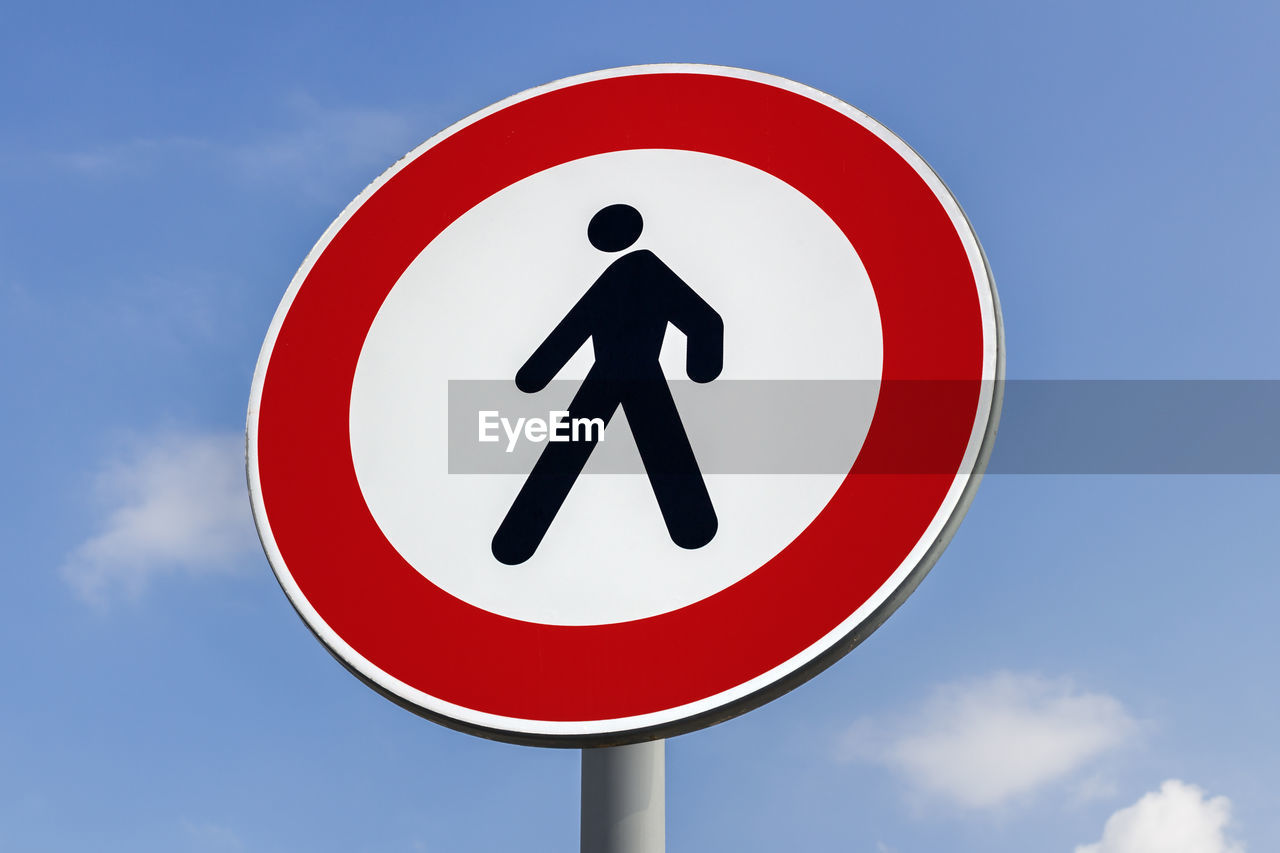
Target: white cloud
176,505
1176,819
982,743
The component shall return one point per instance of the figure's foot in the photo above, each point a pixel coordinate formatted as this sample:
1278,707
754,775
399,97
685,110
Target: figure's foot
691,536
510,549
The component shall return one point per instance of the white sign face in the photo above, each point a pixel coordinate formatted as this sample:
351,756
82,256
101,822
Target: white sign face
624,405
481,297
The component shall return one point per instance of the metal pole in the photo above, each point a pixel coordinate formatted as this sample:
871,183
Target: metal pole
624,799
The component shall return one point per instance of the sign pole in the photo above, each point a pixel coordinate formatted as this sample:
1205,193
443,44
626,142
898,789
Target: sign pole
624,799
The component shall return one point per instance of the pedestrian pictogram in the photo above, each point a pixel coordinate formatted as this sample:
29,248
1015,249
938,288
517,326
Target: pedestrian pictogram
624,405
625,314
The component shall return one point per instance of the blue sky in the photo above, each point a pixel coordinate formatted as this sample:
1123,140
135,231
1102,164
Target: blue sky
165,169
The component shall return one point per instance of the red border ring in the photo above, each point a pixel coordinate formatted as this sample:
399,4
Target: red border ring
859,558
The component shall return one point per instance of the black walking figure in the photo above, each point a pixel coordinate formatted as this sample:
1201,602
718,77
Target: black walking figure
625,313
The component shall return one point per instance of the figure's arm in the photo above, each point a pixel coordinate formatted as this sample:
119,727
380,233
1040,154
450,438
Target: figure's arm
552,354
702,327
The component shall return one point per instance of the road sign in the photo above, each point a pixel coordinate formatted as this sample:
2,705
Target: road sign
678,268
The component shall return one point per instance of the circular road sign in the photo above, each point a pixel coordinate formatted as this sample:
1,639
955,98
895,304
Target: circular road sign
624,405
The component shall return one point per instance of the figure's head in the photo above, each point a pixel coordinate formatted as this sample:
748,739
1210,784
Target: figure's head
615,228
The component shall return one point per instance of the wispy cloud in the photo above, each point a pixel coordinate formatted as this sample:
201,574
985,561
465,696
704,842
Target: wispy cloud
316,144
1095,787
344,137
983,743
174,505
130,156
212,838
1179,818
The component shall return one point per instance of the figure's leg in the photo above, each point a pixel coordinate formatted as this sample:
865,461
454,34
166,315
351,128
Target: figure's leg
552,477
669,461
